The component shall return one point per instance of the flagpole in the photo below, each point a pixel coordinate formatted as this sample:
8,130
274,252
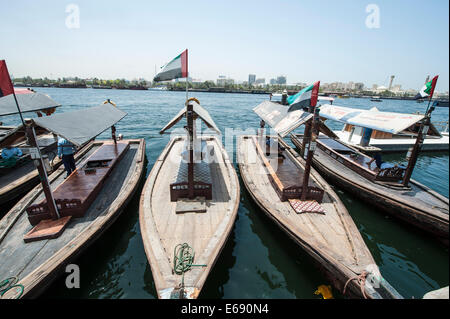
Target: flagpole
187,77
420,136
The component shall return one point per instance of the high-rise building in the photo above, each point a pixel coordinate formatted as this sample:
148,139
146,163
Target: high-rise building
260,81
281,79
251,79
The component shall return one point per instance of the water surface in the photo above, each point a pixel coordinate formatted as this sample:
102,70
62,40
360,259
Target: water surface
259,260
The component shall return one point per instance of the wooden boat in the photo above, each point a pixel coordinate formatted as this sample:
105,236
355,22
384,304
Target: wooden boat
385,139
16,181
34,246
188,206
305,207
345,166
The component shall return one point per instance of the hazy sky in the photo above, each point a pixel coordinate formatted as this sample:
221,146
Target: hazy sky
304,40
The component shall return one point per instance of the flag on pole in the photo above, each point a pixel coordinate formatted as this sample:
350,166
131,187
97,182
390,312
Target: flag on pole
6,87
428,89
305,98
177,68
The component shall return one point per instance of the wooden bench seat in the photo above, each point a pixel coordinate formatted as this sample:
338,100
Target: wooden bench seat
286,177
74,196
202,180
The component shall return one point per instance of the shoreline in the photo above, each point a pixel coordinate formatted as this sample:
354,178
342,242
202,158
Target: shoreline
223,90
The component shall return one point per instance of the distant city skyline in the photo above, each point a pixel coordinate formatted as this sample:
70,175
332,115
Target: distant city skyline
305,41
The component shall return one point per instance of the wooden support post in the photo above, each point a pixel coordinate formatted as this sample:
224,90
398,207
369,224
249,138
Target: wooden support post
39,163
190,127
313,132
423,130
307,133
113,134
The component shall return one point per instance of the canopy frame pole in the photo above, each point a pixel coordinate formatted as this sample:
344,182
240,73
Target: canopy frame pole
113,134
313,133
39,163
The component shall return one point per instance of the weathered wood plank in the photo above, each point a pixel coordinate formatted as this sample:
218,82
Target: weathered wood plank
162,229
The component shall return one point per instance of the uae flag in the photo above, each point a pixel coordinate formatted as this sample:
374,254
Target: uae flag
428,89
177,68
6,87
305,98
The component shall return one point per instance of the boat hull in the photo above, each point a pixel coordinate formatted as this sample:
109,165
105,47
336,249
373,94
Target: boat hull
339,256
386,198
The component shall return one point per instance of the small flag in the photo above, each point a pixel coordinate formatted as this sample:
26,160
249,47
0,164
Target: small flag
6,87
177,68
428,89
305,98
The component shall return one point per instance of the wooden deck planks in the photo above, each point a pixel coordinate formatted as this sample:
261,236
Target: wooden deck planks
162,229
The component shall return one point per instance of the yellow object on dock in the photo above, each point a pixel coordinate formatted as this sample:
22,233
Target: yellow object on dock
325,291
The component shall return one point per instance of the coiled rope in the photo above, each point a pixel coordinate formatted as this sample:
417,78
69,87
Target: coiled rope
361,279
9,284
183,260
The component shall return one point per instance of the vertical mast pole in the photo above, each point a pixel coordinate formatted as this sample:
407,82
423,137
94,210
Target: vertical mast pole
190,122
423,130
313,132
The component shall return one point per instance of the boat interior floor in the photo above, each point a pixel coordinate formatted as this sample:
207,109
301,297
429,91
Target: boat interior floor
288,173
356,157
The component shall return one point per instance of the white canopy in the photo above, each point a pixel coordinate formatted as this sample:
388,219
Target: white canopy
278,117
389,122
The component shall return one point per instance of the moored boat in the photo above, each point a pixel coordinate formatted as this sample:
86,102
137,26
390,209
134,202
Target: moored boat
35,245
305,207
19,177
348,168
374,131
188,207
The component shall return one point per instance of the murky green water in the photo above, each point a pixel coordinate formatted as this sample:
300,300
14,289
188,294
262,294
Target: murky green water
259,260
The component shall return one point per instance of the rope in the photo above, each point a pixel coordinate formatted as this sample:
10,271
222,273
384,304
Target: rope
361,279
183,260
9,284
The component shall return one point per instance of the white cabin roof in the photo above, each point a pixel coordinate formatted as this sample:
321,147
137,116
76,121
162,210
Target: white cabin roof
389,122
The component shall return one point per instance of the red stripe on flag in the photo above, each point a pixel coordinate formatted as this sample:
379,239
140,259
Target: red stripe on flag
6,87
433,85
184,64
315,93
